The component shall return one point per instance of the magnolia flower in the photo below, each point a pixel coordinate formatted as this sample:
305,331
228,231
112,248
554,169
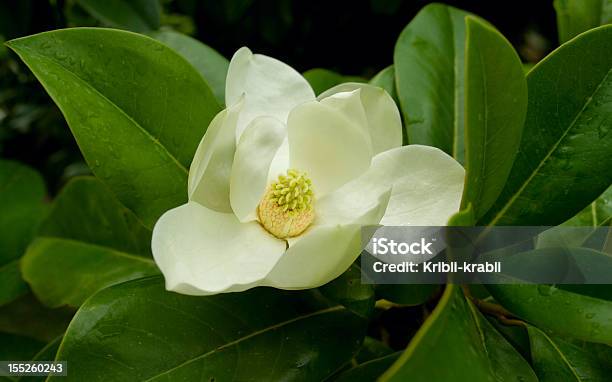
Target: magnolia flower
283,181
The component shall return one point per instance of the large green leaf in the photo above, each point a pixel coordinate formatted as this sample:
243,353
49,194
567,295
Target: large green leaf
577,16
211,65
561,311
386,80
322,79
406,294
495,108
348,290
66,272
86,211
429,72
26,316
22,191
456,335
368,371
596,214
90,241
557,360
567,136
136,108
134,15
138,331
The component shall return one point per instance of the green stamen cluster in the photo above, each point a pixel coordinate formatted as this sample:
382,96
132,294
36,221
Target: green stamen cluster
287,208
293,192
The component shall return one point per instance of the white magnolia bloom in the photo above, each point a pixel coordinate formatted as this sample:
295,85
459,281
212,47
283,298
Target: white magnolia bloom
283,181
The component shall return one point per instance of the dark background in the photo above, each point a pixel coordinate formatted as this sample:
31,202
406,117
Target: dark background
351,37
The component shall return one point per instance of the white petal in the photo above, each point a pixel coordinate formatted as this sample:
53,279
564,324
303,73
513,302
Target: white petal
349,103
384,120
202,252
270,87
322,254
326,144
280,162
426,189
258,145
209,174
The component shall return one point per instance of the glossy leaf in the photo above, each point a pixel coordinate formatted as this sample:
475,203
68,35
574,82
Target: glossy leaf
429,71
86,211
26,316
583,317
211,65
22,191
139,331
349,291
596,214
386,79
66,272
369,370
323,79
567,136
89,240
466,339
134,15
136,108
577,16
495,107
557,360
372,348
406,294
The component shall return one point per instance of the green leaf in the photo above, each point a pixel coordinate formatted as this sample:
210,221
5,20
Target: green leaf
406,294
429,71
495,108
349,291
323,79
208,62
26,316
577,16
90,241
566,136
560,311
134,15
139,331
12,284
456,335
516,335
86,211
65,272
136,108
372,348
596,214
369,370
22,191
557,360
386,79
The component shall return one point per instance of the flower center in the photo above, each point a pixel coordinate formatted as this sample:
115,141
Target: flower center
286,208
